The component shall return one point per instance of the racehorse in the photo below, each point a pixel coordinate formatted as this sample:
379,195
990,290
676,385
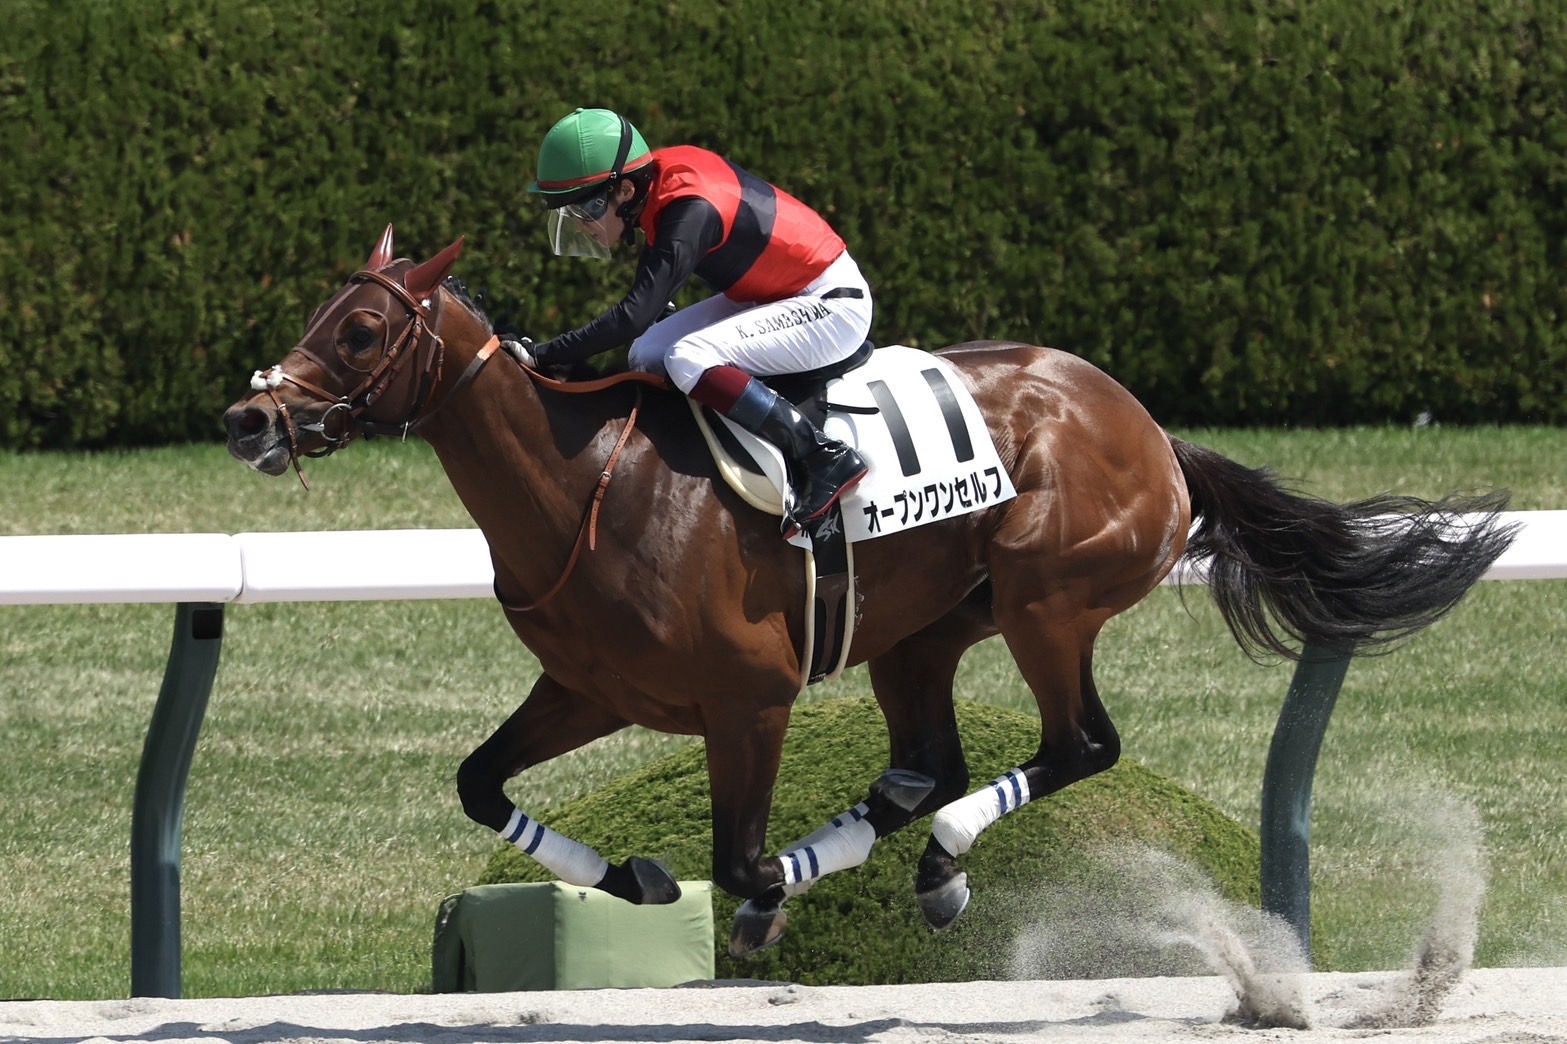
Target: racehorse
652,594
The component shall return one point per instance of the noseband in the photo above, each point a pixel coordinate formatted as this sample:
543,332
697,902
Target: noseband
418,337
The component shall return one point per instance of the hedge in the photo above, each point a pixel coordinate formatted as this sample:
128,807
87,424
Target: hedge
1247,212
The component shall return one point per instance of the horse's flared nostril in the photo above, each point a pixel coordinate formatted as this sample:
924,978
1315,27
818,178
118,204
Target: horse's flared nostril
247,422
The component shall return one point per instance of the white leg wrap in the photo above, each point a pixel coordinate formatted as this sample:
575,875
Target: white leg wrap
841,844
957,825
571,861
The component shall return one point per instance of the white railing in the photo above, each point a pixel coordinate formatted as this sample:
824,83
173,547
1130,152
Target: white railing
398,564
203,572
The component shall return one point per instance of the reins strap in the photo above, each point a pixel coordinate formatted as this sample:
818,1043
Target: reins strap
587,532
599,383
466,378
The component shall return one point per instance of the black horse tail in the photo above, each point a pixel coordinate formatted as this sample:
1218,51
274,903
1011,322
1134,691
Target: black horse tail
1355,576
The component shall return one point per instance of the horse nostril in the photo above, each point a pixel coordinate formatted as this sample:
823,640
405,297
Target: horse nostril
249,422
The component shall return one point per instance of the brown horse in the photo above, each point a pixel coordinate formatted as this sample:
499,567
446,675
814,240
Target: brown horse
675,606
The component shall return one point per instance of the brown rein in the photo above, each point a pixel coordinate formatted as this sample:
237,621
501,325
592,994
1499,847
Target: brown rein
587,532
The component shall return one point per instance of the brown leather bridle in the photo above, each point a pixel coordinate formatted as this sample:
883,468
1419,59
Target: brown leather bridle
418,337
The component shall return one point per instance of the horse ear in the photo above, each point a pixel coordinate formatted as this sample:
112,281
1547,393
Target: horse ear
383,252
426,277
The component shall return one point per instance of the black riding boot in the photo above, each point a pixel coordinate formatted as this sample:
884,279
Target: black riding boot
821,469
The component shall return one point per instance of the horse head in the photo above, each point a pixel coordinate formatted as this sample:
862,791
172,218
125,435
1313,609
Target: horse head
368,364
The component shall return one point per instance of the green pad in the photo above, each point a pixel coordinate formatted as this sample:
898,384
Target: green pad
502,937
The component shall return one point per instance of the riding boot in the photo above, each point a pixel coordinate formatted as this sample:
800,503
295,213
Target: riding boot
821,469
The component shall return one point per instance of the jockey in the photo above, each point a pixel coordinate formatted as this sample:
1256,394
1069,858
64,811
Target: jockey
790,296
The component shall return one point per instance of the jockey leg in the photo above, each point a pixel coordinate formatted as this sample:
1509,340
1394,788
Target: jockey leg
711,350
821,468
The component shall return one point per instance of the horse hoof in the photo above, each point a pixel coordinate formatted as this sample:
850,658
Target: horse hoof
756,928
942,905
657,887
903,787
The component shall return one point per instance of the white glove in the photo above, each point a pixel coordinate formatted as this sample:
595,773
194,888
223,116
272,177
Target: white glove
521,349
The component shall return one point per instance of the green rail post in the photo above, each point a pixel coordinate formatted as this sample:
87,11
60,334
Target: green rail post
158,815
1286,786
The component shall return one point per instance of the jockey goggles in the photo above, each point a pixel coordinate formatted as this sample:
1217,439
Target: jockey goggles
572,230
591,209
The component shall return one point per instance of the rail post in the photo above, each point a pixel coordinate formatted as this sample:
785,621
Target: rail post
158,814
1286,786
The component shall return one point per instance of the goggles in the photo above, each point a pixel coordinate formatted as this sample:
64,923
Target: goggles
573,236
591,209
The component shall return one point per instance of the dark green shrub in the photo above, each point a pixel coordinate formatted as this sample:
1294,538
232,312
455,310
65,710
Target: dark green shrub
1248,214
862,926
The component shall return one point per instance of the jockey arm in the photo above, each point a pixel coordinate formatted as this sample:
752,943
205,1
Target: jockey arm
687,230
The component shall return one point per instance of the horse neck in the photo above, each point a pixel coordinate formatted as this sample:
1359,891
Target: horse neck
501,443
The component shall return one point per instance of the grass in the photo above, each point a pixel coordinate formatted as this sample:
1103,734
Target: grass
322,827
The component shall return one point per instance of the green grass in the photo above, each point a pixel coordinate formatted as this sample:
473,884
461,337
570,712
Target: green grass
322,827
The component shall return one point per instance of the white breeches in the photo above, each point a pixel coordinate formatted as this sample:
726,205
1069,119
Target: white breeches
797,333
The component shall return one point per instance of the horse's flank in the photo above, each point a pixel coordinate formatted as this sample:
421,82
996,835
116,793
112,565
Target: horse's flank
686,576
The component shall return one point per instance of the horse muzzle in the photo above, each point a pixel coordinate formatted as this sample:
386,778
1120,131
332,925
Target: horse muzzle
258,437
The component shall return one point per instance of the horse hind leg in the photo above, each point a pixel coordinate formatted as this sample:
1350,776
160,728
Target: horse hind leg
913,686
1077,741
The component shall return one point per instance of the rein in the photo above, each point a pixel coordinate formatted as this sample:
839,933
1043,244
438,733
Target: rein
587,532
418,337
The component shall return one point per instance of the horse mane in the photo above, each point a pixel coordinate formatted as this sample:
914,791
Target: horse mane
473,302
611,363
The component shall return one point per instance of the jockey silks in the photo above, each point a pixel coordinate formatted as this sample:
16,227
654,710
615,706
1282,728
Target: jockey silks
773,244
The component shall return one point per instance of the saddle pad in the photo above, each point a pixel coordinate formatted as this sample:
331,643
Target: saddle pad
930,453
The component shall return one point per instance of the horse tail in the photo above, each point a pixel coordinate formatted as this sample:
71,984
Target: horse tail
1283,565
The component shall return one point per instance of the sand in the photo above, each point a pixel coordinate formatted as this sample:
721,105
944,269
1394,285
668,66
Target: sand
1494,1005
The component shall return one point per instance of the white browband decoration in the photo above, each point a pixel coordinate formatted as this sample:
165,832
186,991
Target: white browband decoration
267,380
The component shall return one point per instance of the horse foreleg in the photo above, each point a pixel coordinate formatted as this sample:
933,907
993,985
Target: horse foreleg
913,685
846,842
552,721
744,746
842,844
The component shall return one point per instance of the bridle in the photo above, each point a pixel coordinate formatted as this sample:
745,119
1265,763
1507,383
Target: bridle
416,339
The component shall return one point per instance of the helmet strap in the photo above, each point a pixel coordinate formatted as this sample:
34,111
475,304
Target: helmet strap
621,153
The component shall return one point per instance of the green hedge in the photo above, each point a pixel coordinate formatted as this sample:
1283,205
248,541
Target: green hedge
1062,865
1248,213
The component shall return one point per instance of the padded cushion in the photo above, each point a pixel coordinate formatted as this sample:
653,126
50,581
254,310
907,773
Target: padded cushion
503,937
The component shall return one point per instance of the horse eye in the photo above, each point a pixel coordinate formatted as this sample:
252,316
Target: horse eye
360,337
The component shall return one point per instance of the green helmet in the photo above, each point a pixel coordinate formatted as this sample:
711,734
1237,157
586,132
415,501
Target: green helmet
586,151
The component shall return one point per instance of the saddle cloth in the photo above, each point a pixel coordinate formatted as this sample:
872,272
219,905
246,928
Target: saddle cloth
931,456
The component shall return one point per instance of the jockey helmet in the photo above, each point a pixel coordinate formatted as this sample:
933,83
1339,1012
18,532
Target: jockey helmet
585,153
